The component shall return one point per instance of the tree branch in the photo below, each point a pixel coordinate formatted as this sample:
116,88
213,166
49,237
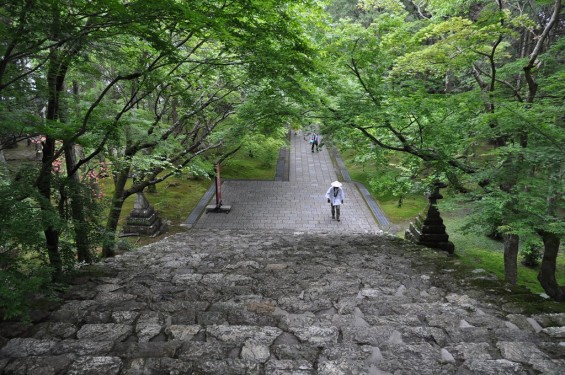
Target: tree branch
532,85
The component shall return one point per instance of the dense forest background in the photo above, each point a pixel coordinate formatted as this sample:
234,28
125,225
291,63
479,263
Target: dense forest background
466,92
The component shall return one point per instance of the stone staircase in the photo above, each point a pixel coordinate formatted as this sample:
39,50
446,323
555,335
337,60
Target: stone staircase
222,301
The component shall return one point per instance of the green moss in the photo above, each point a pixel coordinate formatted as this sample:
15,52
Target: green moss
245,167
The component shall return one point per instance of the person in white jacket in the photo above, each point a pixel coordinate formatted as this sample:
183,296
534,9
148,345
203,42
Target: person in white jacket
335,196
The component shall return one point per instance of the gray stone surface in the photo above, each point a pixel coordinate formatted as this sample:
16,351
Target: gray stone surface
243,315
297,204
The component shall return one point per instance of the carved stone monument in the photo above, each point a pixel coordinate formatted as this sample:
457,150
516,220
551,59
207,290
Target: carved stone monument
143,220
429,230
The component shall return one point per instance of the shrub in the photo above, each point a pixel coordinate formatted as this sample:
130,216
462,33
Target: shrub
531,254
17,289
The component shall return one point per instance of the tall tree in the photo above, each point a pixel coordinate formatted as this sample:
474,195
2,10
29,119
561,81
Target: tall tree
449,89
46,44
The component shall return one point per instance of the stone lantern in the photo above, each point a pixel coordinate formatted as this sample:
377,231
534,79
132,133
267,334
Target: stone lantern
143,220
429,230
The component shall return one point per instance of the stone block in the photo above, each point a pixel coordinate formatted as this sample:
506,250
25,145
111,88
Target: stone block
24,347
83,347
96,366
491,367
40,365
157,366
282,367
105,332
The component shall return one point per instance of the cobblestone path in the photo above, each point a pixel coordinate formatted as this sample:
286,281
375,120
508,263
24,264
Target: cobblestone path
278,302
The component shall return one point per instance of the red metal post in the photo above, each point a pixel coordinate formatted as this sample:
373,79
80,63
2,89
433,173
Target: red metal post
218,187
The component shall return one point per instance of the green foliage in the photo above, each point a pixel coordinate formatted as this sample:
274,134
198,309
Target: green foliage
265,149
19,287
22,221
399,180
531,254
164,88
23,264
242,166
445,83
368,170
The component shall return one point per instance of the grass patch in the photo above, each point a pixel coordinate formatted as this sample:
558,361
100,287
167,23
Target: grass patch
244,167
411,207
482,252
175,199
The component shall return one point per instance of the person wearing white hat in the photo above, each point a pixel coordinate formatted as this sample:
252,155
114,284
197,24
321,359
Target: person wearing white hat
335,196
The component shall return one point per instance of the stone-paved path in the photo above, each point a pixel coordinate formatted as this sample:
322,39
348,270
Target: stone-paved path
285,301
295,204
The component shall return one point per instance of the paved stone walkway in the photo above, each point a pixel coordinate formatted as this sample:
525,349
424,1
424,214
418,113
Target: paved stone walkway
295,204
310,298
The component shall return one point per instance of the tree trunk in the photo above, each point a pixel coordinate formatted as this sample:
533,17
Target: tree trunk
546,275
114,216
77,207
511,245
55,80
76,195
44,188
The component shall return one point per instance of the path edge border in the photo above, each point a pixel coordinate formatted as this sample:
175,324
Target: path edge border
200,206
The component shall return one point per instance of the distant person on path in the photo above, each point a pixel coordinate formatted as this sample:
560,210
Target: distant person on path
335,196
315,141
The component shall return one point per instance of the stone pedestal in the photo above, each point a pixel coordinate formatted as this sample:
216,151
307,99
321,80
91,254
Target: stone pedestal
143,220
429,230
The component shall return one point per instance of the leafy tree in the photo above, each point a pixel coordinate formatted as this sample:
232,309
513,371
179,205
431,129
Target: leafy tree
144,77
185,102
449,87
21,238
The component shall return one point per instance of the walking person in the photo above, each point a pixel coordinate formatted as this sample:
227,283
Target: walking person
335,196
314,141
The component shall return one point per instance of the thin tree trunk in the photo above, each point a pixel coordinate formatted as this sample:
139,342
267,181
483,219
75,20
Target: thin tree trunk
546,275
55,86
76,198
511,245
118,199
77,207
44,188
